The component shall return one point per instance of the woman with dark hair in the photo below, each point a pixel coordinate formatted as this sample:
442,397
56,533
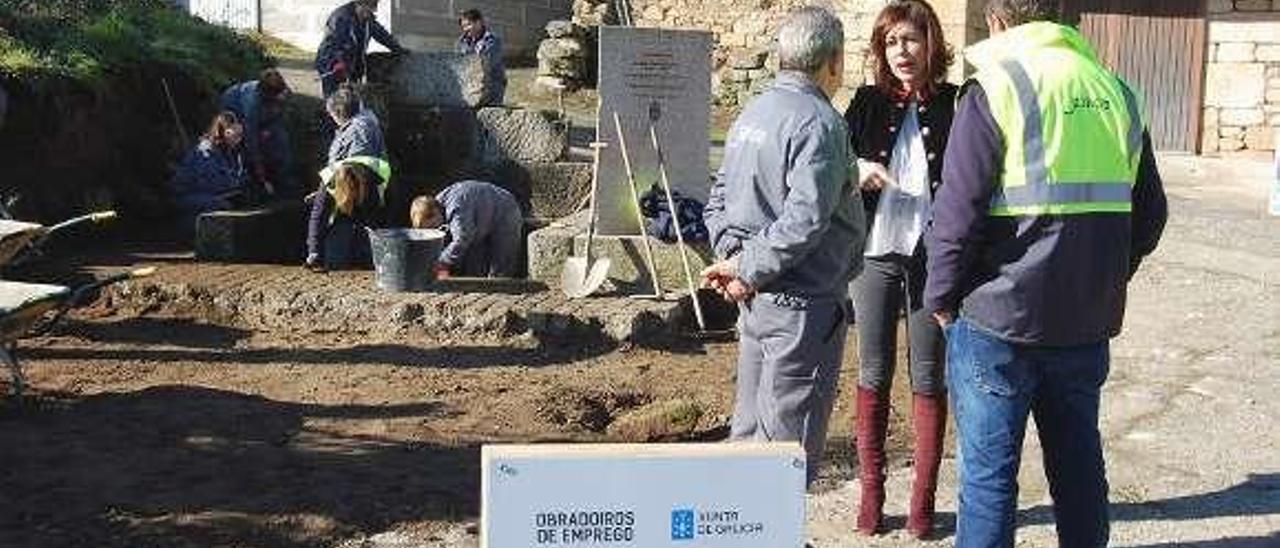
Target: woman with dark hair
899,128
212,175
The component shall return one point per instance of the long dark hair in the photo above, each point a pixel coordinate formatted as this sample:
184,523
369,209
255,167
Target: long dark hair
938,56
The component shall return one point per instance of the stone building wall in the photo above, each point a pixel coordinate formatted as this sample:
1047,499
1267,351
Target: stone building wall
1242,87
745,29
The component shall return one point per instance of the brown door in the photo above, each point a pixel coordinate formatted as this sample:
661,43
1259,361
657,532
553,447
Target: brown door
1158,46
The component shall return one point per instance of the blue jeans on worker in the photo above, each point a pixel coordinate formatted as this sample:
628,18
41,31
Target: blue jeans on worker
994,386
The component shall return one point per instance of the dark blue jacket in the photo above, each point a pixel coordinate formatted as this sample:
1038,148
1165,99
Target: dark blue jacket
346,38
208,178
1049,280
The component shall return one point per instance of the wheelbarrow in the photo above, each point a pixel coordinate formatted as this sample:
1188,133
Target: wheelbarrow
32,309
20,241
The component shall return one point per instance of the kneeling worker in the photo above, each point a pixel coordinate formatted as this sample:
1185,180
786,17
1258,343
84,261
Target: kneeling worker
485,226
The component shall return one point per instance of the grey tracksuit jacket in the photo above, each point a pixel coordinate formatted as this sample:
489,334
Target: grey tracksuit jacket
785,198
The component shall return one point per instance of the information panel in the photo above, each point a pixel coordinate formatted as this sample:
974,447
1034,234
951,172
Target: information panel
658,77
644,496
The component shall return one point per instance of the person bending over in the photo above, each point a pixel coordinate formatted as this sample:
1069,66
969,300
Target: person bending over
485,227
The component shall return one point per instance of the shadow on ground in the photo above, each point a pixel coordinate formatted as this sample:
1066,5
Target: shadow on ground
191,466
1259,495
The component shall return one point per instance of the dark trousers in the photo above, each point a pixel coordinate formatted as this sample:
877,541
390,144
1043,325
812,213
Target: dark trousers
885,287
346,245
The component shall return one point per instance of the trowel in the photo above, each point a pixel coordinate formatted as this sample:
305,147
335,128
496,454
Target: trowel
582,276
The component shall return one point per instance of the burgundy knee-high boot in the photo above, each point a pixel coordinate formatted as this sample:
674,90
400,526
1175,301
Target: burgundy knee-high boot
929,418
872,422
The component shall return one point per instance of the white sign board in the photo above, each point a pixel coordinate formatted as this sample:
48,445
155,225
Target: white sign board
658,77
725,495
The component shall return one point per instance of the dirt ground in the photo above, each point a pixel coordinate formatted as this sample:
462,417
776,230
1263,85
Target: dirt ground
144,430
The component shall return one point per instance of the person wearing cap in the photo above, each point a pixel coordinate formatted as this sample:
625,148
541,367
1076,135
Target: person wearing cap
342,53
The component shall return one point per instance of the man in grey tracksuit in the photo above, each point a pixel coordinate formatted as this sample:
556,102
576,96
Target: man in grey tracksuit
787,223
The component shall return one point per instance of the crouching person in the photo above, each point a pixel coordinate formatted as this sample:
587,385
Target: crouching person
485,229
787,224
212,175
351,200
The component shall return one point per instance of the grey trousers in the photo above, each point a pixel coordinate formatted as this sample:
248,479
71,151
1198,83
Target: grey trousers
885,287
499,253
789,355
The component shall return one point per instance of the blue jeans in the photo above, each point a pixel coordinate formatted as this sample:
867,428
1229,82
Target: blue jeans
994,385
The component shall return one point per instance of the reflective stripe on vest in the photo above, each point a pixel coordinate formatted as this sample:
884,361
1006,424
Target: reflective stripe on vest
1038,194
380,167
1096,181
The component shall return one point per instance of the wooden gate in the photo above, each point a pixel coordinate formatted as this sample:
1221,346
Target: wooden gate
1159,47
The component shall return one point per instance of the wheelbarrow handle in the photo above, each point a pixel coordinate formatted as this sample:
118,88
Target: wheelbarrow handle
80,293
96,218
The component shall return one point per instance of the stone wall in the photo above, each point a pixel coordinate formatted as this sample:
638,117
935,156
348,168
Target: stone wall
745,30
1242,87
421,24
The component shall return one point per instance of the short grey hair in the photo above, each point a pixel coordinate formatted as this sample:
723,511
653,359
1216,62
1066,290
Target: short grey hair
344,103
1018,12
808,38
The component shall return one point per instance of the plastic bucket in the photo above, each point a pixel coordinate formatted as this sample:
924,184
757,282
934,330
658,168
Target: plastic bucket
403,258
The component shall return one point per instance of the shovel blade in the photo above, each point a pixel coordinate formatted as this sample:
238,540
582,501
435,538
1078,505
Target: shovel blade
580,278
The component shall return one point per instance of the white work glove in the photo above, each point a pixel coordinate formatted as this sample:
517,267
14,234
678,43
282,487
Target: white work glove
873,175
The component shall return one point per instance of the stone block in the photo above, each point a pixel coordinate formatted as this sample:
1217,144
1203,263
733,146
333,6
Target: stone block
1230,132
751,59
558,188
1235,52
1209,131
1253,5
520,135
561,29
1241,117
550,246
562,56
275,234
1230,145
1221,6
1268,54
1260,138
427,79
1244,30
1235,85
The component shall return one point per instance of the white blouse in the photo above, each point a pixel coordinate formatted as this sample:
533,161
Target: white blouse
903,209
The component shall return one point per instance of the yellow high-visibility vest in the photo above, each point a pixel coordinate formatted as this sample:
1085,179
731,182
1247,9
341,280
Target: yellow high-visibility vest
1072,129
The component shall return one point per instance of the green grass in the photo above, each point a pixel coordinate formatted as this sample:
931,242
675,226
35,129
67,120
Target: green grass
89,40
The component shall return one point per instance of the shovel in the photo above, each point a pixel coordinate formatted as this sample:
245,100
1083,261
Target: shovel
581,275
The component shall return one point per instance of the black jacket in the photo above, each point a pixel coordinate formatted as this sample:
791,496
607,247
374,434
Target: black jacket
874,120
